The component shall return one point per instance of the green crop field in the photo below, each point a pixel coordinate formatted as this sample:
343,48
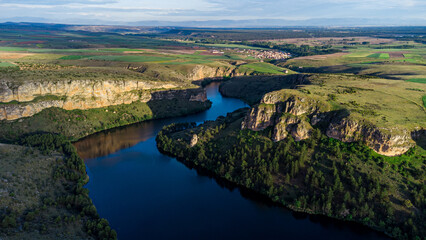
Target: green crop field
131,58
74,57
184,62
6,64
417,80
264,68
12,49
379,55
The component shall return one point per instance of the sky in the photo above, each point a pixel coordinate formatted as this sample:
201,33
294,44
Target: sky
102,11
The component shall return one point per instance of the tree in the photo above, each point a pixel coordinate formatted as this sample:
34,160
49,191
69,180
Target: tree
9,221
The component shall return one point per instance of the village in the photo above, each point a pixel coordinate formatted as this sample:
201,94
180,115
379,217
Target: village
264,54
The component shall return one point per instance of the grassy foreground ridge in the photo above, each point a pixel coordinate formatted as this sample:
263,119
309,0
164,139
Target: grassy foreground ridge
48,199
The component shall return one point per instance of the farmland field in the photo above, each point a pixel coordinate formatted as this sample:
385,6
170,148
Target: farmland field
231,46
418,80
399,62
264,68
6,64
379,55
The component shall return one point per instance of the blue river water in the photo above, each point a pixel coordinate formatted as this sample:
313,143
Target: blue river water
147,195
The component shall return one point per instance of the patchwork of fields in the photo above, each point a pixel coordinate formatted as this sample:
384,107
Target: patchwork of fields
405,61
170,64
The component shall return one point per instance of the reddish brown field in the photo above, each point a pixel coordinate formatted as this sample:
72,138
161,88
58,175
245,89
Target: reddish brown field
29,42
396,54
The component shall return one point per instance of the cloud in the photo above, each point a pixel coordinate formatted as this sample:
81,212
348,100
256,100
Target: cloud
56,2
195,10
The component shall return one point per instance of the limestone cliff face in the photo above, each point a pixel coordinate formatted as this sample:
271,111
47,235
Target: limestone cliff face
15,111
105,89
260,117
389,142
203,71
86,94
194,140
296,126
287,112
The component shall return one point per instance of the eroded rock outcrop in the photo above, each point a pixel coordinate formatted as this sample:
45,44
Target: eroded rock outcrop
106,89
194,140
86,94
290,112
287,112
389,142
203,71
296,126
30,97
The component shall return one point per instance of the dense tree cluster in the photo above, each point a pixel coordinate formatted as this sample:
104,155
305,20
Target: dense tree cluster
72,173
319,175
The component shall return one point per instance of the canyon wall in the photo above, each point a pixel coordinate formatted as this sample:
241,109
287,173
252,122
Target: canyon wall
202,72
30,98
290,112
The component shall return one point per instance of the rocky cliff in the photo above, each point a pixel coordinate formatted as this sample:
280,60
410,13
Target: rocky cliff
287,112
291,112
30,98
202,72
385,141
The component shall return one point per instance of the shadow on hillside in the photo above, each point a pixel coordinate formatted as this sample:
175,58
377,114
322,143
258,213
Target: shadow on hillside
420,138
172,103
330,69
251,88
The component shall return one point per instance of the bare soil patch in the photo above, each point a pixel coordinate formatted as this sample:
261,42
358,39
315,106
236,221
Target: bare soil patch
395,54
209,53
9,55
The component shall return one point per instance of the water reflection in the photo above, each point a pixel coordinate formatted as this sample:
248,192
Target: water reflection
110,141
145,194
107,142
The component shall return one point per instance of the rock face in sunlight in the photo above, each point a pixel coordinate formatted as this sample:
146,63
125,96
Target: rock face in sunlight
194,140
389,142
201,72
290,112
30,98
287,112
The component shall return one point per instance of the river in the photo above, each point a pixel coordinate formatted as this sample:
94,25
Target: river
147,195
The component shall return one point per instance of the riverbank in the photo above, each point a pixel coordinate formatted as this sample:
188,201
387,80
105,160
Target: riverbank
67,210
44,198
317,176
76,124
138,182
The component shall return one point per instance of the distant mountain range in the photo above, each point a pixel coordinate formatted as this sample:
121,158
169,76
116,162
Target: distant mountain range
314,22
